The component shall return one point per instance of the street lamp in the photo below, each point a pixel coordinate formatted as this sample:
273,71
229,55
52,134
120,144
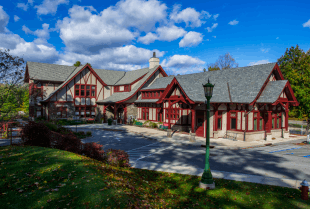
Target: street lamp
207,180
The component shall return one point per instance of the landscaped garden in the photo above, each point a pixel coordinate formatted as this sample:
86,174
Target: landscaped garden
39,177
59,172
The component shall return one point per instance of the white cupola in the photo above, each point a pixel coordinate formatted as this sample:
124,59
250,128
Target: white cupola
154,60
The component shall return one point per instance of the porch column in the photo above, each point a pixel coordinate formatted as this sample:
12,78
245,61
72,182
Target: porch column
286,118
269,121
193,120
215,118
125,114
115,110
104,111
228,117
169,114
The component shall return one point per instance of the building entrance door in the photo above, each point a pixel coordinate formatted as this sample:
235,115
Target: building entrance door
199,123
120,115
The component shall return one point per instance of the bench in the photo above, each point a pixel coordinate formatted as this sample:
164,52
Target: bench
139,124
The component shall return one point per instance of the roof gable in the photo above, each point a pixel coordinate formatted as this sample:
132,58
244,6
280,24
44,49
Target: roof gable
48,72
76,72
131,76
244,83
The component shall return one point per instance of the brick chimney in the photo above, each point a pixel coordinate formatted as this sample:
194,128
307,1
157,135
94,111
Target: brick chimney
154,60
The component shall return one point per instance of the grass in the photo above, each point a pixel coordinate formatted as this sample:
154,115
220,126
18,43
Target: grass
36,177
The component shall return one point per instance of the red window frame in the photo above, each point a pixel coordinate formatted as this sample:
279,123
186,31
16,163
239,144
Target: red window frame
84,109
62,110
231,118
87,89
219,118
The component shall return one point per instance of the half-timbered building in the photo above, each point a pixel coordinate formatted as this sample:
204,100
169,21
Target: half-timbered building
250,103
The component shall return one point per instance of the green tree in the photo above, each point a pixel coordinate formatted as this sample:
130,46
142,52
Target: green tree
77,64
204,70
295,67
11,76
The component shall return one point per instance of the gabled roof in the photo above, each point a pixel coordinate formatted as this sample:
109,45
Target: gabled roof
160,83
272,91
119,96
244,83
52,72
131,76
77,69
110,77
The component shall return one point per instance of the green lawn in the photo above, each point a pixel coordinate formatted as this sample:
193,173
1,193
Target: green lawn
36,177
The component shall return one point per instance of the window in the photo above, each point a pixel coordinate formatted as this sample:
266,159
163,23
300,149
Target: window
93,93
219,121
61,112
233,118
279,120
151,94
154,94
82,93
255,124
82,86
261,124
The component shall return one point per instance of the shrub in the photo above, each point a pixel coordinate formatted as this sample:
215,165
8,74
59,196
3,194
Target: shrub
117,158
36,134
81,132
51,126
154,125
68,142
41,118
147,123
94,151
110,120
88,133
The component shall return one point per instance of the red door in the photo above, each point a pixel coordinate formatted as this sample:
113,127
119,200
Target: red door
199,123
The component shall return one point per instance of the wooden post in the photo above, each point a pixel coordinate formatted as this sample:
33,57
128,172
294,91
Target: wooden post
193,120
269,121
125,114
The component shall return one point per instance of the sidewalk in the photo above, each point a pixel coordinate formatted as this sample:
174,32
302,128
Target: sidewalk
220,143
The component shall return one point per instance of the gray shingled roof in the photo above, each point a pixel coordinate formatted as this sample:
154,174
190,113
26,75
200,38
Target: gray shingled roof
272,91
131,76
44,71
124,95
146,100
160,83
110,77
67,79
244,83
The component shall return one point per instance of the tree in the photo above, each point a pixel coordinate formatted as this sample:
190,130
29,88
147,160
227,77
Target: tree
204,70
77,64
11,75
225,61
295,67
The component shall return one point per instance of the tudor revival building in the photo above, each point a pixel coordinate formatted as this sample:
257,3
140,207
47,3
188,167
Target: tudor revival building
250,102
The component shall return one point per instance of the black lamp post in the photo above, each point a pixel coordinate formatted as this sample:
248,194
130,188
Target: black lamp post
207,180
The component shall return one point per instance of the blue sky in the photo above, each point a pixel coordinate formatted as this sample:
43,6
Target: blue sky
121,35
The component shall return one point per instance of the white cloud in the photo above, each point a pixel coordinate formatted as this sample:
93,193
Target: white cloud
164,33
49,6
16,18
139,14
258,62
182,61
26,30
306,24
23,6
264,50
119,58
189,15
214,36
148,38
191,39
215,16
213,26
4,20
233,22
170,33
29,51
277,38
207,39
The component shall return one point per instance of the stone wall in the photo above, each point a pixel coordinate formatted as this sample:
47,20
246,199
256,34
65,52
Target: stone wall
132,110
